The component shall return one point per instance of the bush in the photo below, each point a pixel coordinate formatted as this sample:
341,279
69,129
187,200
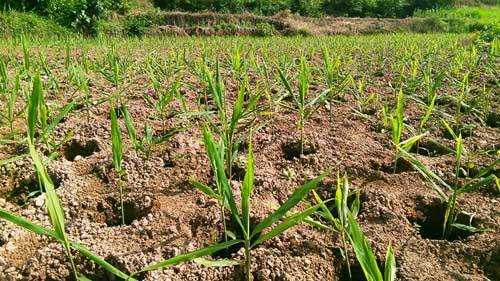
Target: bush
429,24
307,7
430,4
14,23
137,25
266,7
81,15
369,8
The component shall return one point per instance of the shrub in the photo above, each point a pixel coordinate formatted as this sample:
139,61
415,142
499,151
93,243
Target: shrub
430,4
266,7
137,25
81,15
429,24
307,7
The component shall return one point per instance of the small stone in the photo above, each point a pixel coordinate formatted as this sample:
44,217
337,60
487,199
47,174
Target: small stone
147,201
10,247
40,201
78,158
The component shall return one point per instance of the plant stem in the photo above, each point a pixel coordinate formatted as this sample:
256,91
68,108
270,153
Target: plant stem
346,255
72,263
248,260
120,185
223,221
301,135
396,158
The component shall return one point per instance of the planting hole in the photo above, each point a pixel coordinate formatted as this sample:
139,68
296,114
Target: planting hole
429,222
291,150
76,148
401,166
30,188
493,119
356,272
133,210
235,228
430,148
466,130
237,172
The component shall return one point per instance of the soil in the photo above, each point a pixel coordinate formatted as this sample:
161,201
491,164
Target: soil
166,216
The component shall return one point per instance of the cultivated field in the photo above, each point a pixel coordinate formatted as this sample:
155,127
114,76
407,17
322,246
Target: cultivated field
232,158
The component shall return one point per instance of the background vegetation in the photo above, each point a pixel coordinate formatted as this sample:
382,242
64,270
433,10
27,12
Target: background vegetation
135,17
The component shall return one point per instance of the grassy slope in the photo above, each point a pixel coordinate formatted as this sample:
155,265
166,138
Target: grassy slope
463,19
14,23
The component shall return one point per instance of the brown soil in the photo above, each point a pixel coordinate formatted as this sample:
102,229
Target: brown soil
166,216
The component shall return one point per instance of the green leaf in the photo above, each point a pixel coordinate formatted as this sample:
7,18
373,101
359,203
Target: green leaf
363,251
62,113
435,180
286,224
54,207
327,214
189,256
477,185
205,189
33,102
246,191
129,123
116,141
469,228
215,263
294,199
12,159
216,155
407,144
390,265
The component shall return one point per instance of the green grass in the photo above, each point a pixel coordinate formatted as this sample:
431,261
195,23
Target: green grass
466,19
13,24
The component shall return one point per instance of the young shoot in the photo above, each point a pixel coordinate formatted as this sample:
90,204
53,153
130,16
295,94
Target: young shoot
303,104
278,221
116,145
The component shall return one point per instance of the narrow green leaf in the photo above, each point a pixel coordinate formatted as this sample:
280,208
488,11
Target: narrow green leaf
189,256
62,113
390,265
286,224
205,189
116,141
215,263
247,189
294,199
129,123
34,100
363,251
